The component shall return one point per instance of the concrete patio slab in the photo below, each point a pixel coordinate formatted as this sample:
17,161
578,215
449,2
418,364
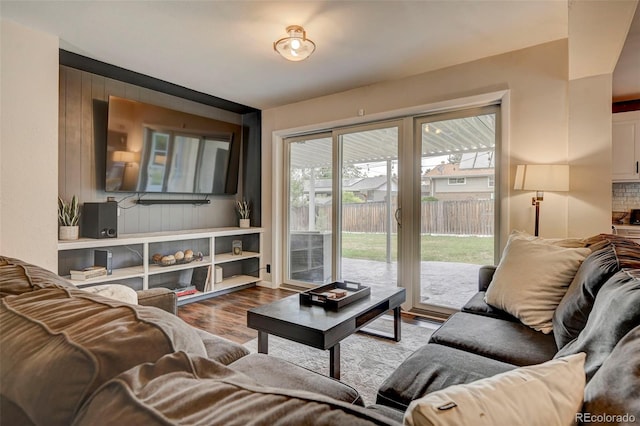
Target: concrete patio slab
448,284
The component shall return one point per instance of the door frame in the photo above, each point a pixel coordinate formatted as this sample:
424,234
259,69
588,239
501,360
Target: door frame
274,205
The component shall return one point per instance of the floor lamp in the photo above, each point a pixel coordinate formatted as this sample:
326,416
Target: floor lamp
540,178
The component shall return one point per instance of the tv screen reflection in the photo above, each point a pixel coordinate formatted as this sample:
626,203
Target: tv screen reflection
185,154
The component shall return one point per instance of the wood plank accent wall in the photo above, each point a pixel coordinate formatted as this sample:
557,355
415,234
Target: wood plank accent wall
82,135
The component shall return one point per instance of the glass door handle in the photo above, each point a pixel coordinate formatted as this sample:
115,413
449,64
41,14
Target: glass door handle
396,215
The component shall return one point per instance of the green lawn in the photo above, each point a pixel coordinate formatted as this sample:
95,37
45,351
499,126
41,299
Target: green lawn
475,250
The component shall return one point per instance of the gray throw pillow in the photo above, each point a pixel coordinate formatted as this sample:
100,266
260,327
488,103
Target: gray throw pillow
615,312
571,314
573,311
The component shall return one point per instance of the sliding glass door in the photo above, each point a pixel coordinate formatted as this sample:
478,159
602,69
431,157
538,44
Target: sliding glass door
369,190
344,202
353,235
310,233
456,205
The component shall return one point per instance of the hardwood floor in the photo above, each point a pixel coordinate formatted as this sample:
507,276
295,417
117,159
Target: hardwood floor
226,315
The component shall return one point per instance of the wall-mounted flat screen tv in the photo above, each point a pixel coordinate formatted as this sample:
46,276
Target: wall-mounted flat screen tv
159,150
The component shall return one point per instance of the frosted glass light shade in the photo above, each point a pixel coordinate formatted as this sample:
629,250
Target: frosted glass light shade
295,47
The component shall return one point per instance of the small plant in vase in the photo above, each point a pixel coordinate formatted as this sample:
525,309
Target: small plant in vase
68,216
243,209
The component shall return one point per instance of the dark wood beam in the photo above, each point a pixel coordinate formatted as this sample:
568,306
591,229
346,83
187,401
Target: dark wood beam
104,69
624,106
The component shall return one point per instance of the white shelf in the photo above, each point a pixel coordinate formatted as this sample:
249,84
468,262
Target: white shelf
155,237
230,257
158,269
226,284
235,281
116,275
214,238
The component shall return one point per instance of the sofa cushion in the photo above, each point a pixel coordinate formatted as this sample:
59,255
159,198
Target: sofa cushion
546,394
17,277
615,312
59,345
477,305
615,389
278,373
434,367
506,341
159,297
220,349
389,412
186,389
532,278
571,315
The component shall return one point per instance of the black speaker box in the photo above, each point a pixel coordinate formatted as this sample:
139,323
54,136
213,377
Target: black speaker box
100,220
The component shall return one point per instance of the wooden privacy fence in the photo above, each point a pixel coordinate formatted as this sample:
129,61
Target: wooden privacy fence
455,217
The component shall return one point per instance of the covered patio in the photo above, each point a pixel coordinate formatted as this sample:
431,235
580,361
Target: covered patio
446,284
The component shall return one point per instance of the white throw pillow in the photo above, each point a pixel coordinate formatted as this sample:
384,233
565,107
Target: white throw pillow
532,278
562,242
118,292
545,394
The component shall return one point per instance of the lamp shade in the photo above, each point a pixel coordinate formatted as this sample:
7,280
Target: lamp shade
542,177
124,157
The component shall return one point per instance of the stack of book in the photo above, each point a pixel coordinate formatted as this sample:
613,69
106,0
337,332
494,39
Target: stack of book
86,273
185,291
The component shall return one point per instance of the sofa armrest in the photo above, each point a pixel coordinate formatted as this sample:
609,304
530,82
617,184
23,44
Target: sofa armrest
159,297
485,274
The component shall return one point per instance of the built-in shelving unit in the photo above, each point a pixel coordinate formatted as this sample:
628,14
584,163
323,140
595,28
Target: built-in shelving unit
133,265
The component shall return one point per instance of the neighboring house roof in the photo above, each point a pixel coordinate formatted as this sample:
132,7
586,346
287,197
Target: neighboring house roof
368,183
454,170
320,185
354,184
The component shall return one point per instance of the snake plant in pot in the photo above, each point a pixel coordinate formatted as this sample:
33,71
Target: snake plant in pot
243,209
68,216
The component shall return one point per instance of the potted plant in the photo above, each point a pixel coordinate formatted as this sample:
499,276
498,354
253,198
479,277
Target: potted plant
68,215
243,210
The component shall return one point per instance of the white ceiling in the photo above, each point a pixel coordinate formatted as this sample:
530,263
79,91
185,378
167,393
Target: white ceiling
224,48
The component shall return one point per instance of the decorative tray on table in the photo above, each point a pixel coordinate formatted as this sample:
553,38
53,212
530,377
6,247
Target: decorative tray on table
335,295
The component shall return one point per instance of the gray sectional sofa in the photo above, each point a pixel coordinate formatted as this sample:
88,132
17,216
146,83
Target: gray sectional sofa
599,315
72,357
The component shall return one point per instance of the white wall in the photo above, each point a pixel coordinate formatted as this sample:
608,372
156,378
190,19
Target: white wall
28,144
537,131
590,199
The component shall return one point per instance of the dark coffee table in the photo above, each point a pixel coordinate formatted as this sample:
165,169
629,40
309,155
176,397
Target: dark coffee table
324,329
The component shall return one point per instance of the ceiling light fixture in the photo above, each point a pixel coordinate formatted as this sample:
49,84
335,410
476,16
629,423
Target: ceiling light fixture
295,47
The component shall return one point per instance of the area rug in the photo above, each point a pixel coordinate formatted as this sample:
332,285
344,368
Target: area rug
366,361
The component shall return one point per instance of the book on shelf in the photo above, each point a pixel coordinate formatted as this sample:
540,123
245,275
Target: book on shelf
201,277
86,273
185,291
